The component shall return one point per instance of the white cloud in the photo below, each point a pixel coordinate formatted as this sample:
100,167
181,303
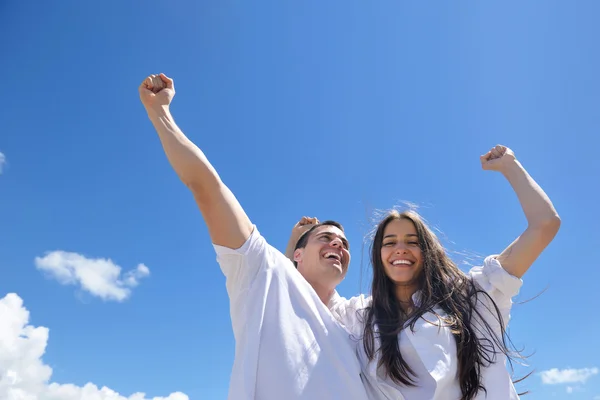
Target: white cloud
555,376
569,389
2,161
23,374
98,276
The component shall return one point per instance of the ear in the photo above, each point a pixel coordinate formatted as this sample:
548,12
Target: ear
298,253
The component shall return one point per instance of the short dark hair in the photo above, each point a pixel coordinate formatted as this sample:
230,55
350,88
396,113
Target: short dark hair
301,243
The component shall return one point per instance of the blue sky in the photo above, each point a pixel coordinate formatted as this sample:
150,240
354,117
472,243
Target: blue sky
328,109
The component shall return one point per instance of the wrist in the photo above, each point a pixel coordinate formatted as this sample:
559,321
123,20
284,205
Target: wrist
156,112
512,168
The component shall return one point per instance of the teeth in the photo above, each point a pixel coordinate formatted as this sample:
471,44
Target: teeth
405,262
337,257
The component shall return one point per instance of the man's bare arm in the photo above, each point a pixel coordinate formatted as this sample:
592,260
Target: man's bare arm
228,224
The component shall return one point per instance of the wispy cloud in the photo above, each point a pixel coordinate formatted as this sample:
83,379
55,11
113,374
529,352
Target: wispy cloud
2,161
97,276
557,376
23,374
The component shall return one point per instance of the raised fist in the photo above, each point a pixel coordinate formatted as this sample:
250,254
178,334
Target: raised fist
157,91
497,159
303,225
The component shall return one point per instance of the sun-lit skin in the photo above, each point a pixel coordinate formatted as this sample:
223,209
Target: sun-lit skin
325,259
402,257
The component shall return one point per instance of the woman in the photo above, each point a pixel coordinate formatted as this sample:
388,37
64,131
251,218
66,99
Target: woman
430,331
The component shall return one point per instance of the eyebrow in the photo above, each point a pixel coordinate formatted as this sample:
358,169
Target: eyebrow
343,239
393,235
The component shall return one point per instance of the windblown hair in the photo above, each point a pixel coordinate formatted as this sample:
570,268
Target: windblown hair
442,284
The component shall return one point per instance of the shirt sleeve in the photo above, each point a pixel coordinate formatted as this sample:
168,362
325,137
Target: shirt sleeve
494,279
498,284
350,312
241,266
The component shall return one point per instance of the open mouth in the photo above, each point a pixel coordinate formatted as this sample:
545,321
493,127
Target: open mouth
332,256
403,263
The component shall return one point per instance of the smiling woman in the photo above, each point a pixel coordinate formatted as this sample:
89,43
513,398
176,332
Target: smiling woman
401,255
430,331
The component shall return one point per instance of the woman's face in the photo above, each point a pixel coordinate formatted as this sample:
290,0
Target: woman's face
401,252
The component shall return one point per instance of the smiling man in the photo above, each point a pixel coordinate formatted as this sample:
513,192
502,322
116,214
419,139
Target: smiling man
288,345
322,256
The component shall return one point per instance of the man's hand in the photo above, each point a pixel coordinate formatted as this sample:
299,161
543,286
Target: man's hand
301,226
499,158
157,91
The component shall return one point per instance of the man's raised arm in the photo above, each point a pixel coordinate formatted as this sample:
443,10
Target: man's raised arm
227,222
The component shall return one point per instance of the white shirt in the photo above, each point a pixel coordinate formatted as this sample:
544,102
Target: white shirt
431,349
288,344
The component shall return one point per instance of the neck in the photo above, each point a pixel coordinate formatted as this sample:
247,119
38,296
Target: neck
323,291
404,294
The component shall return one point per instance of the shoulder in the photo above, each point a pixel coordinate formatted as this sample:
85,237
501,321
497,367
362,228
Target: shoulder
350,312
254,243
255,255
495,280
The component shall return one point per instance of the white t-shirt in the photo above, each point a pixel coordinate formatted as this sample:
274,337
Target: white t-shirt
430,350
288,345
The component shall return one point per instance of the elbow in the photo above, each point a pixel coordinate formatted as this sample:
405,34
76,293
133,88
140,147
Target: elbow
204,189
554,223
549,227
201,181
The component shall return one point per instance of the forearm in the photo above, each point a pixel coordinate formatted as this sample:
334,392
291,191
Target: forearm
536,205
227,222
542,218
188,161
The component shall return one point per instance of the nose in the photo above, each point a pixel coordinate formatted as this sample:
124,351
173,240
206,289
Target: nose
401,249
337,242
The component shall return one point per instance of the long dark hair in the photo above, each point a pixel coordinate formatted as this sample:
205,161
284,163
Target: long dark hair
444,285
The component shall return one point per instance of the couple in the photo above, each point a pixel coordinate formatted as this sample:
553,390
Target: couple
428,331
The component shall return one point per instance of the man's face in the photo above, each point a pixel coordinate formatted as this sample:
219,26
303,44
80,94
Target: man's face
325,258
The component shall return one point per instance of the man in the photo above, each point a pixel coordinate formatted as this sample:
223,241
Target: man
288,345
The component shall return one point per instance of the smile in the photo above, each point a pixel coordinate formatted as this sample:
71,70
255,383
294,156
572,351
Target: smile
402,262
332,256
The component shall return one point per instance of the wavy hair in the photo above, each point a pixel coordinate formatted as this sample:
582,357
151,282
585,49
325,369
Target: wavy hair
442,286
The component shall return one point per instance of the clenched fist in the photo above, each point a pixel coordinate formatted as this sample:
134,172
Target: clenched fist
298,230
157,91
497,159
303,225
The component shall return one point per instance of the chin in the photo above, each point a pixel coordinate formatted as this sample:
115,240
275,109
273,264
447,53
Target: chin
403,282
403,279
